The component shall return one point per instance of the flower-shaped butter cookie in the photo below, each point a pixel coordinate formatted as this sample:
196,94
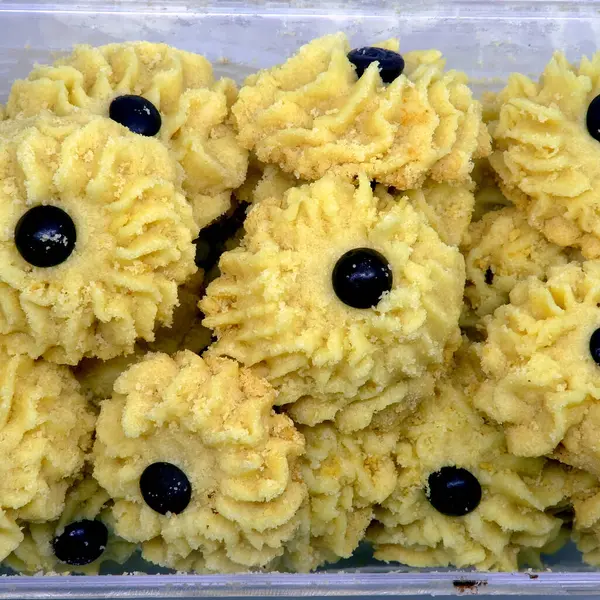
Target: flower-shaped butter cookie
547,150
324,110
461,498
542,360
154,90
45,431
201,470
97,236
345,301
80,541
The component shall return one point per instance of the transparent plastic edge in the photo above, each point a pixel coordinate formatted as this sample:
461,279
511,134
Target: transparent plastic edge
284,585
535,9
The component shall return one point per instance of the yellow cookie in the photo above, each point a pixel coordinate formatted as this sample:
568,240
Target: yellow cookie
45,431
97,236
546,159
448,208
540,360
186,332
313,115
264,181
97,377
346,302
585,497
346,476
193,107
202,472
86,519
500,250
461,498
488,196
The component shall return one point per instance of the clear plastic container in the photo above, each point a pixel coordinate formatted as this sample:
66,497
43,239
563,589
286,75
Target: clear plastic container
485,38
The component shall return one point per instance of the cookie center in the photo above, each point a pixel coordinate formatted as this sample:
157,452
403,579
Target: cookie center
391,64
136,113
454,491
165,488
45,236
81,542
361,276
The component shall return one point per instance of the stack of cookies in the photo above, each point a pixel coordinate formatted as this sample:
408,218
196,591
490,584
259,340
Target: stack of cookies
250,329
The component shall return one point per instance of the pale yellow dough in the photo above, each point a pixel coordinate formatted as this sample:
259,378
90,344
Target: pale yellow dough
215,421
194,109
488,195
265,181
547,162
448,208
519,495
586,508
311,116
186,332
45,431
97,376
134,238
274,308
346,476
542,384
85,500
500,250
